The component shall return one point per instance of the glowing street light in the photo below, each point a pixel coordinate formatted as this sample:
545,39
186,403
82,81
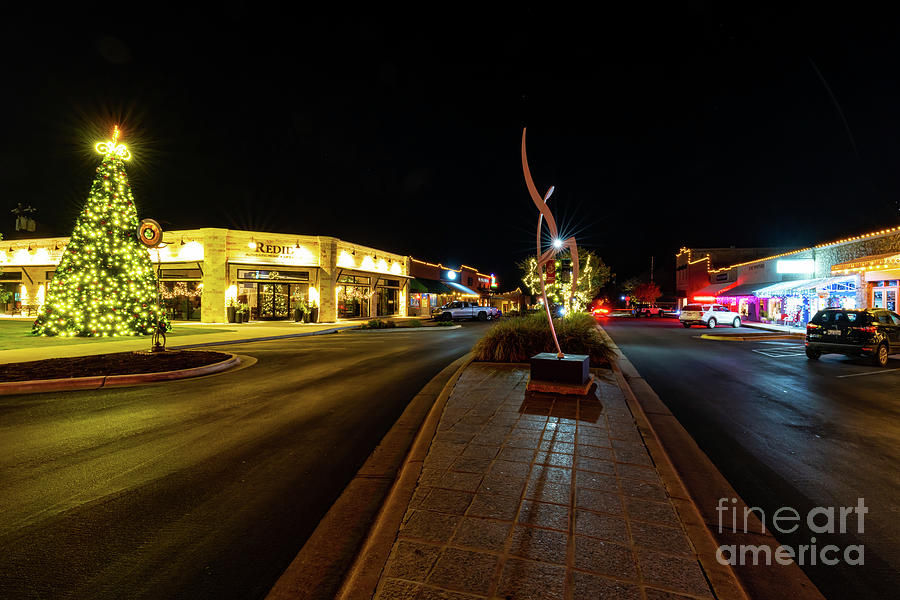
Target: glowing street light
557,243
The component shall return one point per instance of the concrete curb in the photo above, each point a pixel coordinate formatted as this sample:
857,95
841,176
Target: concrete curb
737,337
92,383
407,329
695,485
766,327
265,339
345,555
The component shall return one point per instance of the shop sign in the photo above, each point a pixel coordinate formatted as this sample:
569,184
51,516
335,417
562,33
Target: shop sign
721,276
274,249
795,266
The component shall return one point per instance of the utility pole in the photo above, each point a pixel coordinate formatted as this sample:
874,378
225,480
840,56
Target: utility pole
651,269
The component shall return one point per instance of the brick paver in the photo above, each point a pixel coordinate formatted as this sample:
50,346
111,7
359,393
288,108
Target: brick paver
536,496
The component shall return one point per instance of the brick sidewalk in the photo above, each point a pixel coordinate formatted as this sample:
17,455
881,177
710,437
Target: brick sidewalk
542,498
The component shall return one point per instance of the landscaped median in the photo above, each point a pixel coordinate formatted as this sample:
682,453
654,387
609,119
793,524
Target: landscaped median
109,370
517,339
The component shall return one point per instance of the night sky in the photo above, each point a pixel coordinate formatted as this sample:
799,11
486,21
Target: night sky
659,128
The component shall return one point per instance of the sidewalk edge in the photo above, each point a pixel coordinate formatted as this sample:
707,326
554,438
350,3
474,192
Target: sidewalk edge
725,581
363,577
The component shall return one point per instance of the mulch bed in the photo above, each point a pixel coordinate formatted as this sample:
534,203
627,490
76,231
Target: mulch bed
119,363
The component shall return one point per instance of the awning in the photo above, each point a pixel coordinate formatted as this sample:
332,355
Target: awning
800,287
428,286
746,289
782,288
458,287
889,260
712,289
814,285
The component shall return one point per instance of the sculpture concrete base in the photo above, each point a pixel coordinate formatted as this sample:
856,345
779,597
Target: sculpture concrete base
569,374
554,387
572,369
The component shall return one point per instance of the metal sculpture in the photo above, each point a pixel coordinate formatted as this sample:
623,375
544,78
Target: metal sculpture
556,246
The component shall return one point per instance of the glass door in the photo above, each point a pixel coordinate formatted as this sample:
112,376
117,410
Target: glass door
273,301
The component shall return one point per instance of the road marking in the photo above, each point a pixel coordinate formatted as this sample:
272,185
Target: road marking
782,351
879,372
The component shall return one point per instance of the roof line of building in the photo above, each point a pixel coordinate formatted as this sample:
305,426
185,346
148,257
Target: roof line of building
824,245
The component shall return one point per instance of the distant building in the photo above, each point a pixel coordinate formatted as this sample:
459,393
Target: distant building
434,284
789,287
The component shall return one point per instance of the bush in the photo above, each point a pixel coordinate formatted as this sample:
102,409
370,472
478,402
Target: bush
413,323
442,323
378,324
519,338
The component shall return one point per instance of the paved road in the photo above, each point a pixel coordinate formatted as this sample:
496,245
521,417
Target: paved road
786,431
202,488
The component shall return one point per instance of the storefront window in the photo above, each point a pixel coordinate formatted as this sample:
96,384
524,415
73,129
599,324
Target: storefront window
884,294
182,299
299,294
353,301
246,274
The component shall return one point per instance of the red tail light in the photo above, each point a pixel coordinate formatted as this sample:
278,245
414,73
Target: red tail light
811,326
867,329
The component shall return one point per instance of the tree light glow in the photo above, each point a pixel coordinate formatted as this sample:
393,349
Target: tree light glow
113,148
105,284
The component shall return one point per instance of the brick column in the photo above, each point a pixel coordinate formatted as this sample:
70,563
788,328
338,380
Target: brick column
327,279
215,275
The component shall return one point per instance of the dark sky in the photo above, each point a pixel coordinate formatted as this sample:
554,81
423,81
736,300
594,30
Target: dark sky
659,128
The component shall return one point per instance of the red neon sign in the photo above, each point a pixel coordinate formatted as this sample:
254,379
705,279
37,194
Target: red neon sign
704,298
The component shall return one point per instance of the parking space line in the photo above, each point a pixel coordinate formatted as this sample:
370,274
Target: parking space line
878,372
781,352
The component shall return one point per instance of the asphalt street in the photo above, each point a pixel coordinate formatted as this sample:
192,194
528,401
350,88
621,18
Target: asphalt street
788,432
203,488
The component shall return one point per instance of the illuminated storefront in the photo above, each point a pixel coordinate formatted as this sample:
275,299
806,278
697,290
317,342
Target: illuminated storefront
203,271
434,285
881,274
789,287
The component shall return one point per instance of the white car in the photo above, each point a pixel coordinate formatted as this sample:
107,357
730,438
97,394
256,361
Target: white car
465,310
709,315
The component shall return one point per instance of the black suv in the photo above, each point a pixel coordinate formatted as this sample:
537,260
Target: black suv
873,332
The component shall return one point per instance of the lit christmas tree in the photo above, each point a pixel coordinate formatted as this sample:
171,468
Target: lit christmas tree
105,284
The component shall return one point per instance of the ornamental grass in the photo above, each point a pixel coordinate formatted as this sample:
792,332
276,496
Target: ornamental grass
517,339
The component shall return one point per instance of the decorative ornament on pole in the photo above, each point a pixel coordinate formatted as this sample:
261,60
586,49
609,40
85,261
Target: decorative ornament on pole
558,245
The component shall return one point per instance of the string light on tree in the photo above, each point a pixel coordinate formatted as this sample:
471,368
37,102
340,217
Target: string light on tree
105,284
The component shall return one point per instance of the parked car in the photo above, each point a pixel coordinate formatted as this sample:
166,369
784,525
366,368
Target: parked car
708,315
671,311
459,309
872,332
646,310
600,311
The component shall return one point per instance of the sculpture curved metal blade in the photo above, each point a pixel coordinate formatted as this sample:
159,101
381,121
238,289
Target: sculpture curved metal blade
543,257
